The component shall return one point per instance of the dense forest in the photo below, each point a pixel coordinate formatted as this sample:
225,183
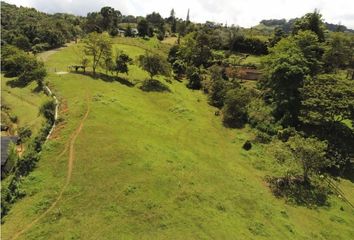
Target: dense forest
301,107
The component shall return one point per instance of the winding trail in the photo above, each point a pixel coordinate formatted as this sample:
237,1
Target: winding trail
71,159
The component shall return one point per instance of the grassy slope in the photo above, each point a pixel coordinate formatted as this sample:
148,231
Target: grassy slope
24,103
158,166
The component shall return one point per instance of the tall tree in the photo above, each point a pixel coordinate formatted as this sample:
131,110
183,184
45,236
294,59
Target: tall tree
311,48
313,22
172,20
111,18
285,69
143,28
97,46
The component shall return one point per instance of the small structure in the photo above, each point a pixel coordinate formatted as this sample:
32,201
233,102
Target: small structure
5,142
135,32
249,74
121,33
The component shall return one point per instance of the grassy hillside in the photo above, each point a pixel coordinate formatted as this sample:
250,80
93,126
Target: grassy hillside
23,103
155,166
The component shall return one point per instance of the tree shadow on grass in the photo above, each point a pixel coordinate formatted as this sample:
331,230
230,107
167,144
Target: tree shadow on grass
15,83
296,190
151,85
107,78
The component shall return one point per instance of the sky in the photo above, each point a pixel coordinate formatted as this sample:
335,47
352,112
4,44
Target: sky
245,13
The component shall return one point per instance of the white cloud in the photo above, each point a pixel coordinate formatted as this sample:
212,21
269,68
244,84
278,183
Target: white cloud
240,12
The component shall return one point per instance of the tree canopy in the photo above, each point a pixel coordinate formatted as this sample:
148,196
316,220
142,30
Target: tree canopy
98,47
154,64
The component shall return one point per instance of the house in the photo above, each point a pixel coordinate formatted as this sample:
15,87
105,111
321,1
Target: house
249,74
135,32
121,33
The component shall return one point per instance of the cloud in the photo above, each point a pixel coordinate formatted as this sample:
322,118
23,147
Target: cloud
240,12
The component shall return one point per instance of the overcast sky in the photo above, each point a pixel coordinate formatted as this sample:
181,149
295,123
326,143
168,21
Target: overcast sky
244,13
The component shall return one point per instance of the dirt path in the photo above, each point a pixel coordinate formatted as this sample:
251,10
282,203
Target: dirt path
46,54
71,159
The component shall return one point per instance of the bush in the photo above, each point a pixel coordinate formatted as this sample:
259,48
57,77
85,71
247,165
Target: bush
247,145
179,68
27,162
13,118
286,133
263,137
48,110
160,36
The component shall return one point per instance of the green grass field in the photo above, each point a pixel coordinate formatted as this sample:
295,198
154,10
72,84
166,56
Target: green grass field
24,103
157,166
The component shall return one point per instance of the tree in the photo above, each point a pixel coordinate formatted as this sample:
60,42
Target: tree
285,70
311,48
310,154
154,64
235,107
97,46
84,62
122,61
143,28
194,77
26,67
195,49
129,32
110,20
179,68
311,21
172,21
173,54
327,99
22,42
108,64
217,88
339,52
155,19
277,36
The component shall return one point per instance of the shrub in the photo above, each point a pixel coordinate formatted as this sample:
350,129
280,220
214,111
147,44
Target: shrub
27,162
286,133
247,145
48,110
263,137
24,133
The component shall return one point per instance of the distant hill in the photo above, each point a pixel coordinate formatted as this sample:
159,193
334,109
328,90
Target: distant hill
286,25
